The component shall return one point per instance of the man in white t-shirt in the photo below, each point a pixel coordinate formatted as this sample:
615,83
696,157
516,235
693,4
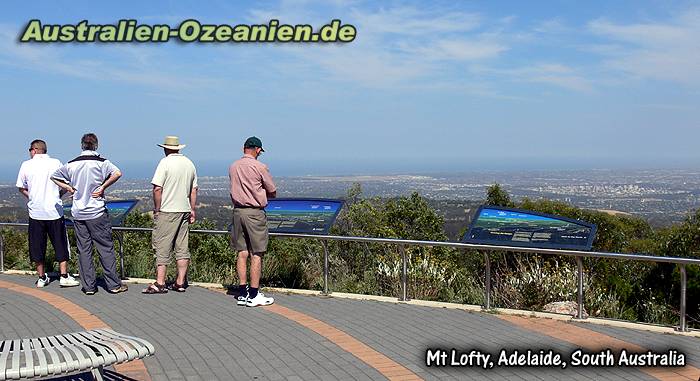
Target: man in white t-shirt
45,213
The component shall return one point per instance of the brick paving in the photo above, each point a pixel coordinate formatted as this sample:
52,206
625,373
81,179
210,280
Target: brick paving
203,335
403,332
688,345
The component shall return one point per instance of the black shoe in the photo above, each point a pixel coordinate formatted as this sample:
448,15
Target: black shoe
88,292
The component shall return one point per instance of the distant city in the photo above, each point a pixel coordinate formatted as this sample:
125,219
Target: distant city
662,197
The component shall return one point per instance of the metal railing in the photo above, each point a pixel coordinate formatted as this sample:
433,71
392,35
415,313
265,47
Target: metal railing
402,243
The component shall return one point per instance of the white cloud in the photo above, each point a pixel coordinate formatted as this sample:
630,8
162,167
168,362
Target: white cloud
409,21
555,74
668,51
456,50
136,65
551,26
395,46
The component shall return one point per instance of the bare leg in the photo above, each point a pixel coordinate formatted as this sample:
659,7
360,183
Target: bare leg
241,267
40,269
181,270
160,274
63,267
255,270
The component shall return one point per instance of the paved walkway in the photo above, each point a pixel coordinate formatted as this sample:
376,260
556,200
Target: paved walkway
203,335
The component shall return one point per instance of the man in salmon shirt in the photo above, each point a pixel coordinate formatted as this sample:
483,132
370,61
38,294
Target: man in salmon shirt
251,186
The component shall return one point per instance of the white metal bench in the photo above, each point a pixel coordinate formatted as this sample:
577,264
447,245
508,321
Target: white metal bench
69,354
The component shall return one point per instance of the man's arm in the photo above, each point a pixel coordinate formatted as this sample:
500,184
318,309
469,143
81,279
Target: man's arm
157,198
268,184
193,203
21,184
100,191
61,177
63,185
24,192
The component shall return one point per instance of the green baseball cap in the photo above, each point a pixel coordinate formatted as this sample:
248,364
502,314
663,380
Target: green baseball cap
253,142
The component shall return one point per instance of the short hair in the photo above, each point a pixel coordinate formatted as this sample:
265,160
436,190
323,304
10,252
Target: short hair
38,145
89,142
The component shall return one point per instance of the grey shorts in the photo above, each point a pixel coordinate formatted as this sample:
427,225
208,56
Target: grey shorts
249,231
171,235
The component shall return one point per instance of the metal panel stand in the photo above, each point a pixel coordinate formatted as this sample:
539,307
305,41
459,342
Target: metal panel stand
487,282
684,281
325,269
579,265
404,274
120,238
2,254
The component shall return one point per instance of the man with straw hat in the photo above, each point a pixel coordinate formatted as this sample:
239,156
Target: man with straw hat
174,199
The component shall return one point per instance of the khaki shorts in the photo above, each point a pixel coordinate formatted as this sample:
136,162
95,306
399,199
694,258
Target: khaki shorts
249,231
171,235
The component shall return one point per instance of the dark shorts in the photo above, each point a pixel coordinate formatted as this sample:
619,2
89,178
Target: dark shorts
55,230
249,231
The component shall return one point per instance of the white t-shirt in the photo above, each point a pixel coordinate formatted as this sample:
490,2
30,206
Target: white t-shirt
44,198
178,176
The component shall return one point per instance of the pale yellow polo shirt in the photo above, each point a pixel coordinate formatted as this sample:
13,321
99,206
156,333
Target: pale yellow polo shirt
177,175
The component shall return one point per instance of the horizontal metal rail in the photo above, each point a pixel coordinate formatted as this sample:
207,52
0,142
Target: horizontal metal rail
578,254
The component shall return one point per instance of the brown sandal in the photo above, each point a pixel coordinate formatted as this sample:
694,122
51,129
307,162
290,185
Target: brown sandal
177,287
155,288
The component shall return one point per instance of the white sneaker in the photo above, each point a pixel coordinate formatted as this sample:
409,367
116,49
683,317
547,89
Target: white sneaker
43,282
259,300
68,281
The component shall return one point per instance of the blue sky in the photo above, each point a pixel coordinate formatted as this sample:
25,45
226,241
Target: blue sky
426,86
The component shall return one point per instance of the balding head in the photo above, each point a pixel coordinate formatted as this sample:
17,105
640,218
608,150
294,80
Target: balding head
38,146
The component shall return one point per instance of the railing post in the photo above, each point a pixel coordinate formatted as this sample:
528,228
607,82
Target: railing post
404,274
683,324
325,268
487,282
2,253
579,265
120,238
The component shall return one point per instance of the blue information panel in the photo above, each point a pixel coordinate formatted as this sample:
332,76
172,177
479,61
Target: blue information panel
495,225
302,215
117,210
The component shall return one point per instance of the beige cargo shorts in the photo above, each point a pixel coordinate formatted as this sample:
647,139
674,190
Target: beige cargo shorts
249,230
171,234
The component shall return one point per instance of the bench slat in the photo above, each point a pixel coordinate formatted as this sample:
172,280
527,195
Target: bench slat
3,356
143,347
41,369
75,352
54,362
127,350
69,361
13,372
27,370
109,353
112,351
93,359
